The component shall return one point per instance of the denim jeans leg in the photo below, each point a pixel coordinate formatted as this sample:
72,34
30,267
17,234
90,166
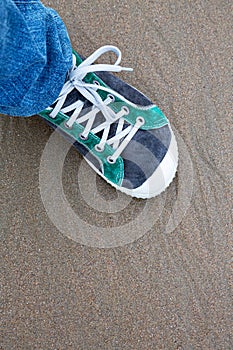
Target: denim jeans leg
35,56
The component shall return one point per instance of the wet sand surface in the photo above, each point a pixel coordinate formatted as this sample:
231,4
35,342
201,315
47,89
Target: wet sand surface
167,284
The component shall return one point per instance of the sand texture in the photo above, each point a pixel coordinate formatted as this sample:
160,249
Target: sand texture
167,283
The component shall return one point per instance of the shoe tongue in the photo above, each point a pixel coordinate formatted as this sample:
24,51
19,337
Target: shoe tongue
73,96
112,131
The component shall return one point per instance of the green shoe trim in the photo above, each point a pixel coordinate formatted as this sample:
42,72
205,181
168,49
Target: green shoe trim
113,172
153,116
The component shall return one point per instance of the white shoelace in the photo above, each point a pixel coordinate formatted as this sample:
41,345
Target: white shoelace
89,91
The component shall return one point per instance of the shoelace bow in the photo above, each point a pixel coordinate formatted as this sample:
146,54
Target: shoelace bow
89,91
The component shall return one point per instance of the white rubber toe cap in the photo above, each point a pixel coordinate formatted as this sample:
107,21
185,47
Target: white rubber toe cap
162,176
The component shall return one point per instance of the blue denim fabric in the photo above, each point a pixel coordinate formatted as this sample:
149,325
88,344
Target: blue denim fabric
35,56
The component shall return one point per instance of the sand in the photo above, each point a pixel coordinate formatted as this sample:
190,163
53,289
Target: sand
167,282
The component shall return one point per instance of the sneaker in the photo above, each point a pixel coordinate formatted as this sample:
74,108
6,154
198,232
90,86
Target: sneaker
124,137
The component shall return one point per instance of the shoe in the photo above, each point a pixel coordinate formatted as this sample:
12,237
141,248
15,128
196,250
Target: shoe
124,137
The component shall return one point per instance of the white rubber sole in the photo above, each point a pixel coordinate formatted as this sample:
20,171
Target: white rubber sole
159,180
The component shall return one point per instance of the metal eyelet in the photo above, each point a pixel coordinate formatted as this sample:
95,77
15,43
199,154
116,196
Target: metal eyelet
98,148
111,97
125,109
96,82
84,138
141,120
67,126
110,160
49,115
